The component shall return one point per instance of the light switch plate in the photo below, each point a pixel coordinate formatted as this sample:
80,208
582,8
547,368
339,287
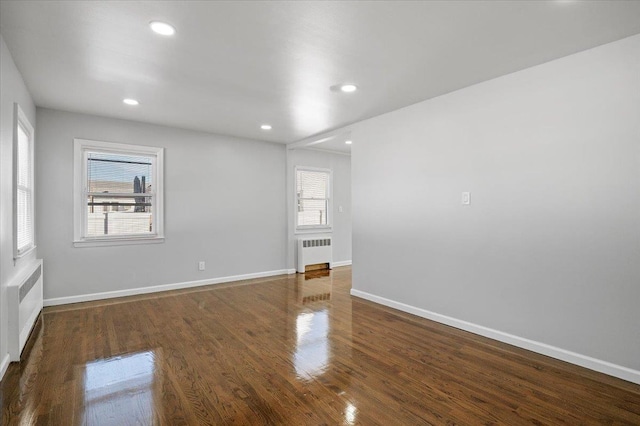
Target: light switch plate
466,198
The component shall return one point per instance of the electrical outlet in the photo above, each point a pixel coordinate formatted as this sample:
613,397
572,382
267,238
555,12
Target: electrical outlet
201,265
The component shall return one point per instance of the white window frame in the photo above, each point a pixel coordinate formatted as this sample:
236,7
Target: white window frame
308,229
80,149
20,120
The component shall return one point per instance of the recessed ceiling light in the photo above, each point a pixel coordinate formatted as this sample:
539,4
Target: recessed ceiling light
266,127
162,28
348,88
348,142
130,102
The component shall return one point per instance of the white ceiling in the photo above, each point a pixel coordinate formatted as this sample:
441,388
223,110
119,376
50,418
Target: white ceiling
234,65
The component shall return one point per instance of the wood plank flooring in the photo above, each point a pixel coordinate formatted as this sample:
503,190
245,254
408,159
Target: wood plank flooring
288,350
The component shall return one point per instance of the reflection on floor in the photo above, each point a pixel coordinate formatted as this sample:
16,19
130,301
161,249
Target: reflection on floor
288,350
125,382
313,327
311,357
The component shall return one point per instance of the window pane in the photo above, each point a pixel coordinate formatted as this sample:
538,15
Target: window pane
312,184
118,173
24,226
312,212
23,158
119,215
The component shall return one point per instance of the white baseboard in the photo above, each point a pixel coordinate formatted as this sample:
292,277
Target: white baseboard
601,366
4,365
164,287
341,263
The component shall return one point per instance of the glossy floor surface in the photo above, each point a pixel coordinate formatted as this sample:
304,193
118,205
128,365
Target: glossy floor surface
288,350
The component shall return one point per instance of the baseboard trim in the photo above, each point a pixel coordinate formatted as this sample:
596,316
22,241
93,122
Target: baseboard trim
164,287
4,365
601,366
341,263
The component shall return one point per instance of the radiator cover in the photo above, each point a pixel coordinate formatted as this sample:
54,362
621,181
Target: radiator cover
25,297
312,251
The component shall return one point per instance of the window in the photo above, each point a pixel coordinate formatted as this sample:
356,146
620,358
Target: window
313,198
118,194
23,202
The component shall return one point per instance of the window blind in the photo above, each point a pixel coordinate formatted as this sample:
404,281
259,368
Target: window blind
312,188
24,193
120,194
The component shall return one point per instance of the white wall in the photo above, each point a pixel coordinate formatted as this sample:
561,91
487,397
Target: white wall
12,89
549,249
224,204
340,166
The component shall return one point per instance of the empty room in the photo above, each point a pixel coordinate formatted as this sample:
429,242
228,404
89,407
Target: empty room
319,212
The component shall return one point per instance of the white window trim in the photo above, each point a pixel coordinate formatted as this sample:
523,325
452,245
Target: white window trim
313,229
20,119
80,146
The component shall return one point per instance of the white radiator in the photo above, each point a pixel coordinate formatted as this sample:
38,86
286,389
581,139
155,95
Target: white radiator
312,251
24,295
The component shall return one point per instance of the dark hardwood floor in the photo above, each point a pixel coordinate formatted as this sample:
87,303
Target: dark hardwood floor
288,350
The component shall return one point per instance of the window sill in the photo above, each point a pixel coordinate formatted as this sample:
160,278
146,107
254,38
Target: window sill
315,230
117,242
17,257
